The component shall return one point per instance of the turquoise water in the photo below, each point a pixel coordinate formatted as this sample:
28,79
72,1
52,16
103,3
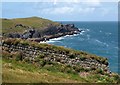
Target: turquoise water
100,38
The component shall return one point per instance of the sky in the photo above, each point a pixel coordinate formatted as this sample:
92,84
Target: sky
94,10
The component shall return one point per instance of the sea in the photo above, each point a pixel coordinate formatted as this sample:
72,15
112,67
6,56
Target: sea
99,38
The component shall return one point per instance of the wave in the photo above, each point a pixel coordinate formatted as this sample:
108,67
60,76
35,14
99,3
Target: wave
102,43
50,41
87,29
82,32
108,33
56,39
60,38
43,42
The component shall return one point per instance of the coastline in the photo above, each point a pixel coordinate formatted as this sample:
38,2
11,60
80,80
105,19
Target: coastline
56,36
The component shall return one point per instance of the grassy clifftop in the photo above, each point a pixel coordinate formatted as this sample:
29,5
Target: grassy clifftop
8,25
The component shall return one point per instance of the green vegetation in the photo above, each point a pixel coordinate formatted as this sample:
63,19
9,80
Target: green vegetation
58,49
8,25
16,69
17,72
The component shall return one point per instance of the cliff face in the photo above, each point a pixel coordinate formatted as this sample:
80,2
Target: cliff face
48,32
36,53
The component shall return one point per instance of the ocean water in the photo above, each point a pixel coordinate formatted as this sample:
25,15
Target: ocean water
100,38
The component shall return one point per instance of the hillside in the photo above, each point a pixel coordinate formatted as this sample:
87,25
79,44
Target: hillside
36,28
48,63
8,25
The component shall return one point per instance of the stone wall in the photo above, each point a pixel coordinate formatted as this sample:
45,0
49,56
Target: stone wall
51,55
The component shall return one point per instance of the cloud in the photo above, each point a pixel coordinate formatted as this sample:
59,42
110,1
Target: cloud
92,2
76,10
65,8
58,10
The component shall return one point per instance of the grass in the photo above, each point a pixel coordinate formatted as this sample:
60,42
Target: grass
8,25
16,70
19,71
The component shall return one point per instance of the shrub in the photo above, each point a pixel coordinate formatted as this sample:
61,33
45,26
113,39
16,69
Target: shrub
16,42
19,56
82,58
76,68
72,56
99,70
24,43
49,67
41,56
81,69
42,62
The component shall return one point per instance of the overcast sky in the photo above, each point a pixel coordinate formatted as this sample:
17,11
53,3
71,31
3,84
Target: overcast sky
63,11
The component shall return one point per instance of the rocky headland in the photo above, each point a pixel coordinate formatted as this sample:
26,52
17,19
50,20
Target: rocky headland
47,32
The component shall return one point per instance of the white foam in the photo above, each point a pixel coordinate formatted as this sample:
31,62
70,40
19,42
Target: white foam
43,42
50,41
75,34
108,33
87,29
56,39
82,32
98,41
102,43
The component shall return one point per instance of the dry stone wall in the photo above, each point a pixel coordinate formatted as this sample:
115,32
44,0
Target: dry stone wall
32,53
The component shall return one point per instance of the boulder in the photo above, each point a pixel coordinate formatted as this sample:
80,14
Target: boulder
18,25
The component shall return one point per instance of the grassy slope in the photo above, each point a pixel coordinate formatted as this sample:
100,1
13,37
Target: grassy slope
17,72
21,71
35,22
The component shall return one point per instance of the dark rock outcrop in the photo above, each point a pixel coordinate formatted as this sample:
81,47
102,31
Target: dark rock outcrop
50,31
